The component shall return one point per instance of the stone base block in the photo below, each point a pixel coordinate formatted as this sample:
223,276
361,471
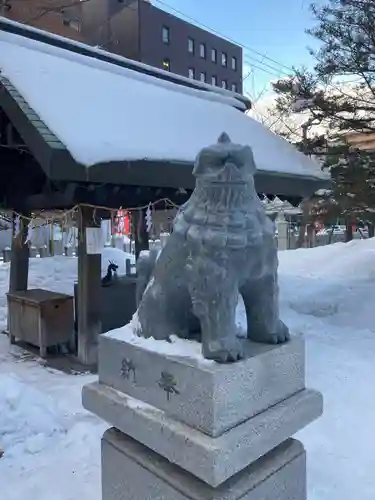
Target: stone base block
206,395
130,471
213,460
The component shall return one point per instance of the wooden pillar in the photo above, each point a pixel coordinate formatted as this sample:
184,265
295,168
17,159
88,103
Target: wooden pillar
19,262
88,292
140,231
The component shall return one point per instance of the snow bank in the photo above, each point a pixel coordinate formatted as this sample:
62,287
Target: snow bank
335,282
29,421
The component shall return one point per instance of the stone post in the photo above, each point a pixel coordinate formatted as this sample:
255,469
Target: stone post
128,267
58,247
132,247
68,250
7,252
282,226
189,428
43,251
33,251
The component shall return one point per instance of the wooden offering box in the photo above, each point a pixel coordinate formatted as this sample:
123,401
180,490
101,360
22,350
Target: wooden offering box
40,318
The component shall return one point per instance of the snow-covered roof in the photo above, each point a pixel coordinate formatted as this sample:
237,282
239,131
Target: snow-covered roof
102,112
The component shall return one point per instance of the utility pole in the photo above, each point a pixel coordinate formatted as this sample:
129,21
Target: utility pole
305,229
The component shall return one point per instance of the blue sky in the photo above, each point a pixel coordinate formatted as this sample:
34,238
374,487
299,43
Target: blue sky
272,27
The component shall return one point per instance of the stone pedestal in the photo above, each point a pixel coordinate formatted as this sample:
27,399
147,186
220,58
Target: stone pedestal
282,226
191,428
130,471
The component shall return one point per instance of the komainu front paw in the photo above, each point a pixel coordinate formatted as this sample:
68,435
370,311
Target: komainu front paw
280,336
226,350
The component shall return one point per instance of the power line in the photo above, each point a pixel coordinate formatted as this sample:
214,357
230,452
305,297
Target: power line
274,71
252,65
277,71
216,32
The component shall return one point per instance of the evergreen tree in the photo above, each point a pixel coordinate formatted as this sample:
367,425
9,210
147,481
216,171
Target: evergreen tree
346,31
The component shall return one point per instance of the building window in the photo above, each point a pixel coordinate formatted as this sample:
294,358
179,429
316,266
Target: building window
191,45
224,84
214,55
234,87
203,76
224,59
72,23
202,51
166,64
191,73
166,34
234,63
214,80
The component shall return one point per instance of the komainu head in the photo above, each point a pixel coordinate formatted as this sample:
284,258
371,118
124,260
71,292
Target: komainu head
225,163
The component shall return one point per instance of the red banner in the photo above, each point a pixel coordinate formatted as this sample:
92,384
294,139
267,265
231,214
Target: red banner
121,223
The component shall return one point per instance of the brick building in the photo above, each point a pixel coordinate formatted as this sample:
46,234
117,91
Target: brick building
47,15
137,30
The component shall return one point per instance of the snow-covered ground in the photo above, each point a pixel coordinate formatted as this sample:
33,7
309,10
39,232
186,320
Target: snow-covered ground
52,446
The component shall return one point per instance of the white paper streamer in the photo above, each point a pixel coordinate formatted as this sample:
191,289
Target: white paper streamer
17,226
30,233
149,218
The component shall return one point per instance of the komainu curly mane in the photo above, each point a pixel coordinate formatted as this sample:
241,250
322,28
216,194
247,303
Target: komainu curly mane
222,245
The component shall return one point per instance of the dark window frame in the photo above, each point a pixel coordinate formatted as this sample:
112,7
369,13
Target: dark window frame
234,63
166,61
73,22
192,42
214,80
205,76
224,59
202,45
214,58
234,87
224,84
166,29
193,71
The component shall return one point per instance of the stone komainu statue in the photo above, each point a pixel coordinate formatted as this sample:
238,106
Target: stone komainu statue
222,245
